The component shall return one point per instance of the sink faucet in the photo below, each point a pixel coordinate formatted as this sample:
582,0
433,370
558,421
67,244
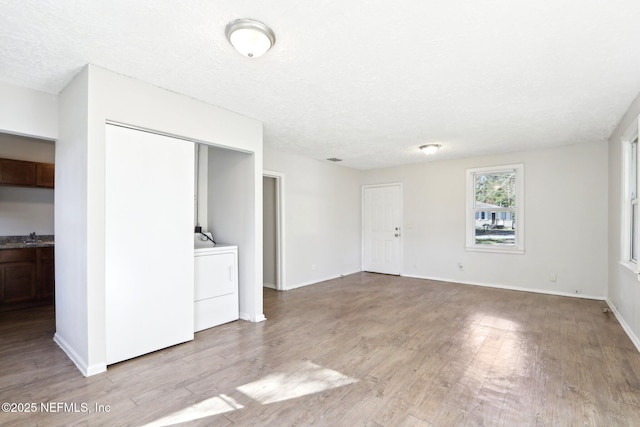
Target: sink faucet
32,235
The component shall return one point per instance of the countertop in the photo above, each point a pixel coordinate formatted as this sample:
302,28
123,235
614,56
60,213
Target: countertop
23,242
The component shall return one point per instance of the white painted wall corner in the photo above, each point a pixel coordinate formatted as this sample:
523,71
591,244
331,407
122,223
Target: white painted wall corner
86,369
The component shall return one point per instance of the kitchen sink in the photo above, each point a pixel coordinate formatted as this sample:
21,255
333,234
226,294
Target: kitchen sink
37,242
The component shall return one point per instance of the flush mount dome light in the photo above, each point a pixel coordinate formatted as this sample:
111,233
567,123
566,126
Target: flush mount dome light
249,37
429,149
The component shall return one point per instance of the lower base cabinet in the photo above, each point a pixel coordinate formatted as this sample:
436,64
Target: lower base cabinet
18,283
26,278
45,274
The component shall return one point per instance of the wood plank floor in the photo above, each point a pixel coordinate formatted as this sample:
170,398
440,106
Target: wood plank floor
364,350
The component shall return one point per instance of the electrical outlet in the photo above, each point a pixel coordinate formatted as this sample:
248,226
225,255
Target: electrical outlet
553,277
460,267
313,267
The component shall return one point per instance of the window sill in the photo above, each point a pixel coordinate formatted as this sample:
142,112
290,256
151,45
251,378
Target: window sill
515,251
633,267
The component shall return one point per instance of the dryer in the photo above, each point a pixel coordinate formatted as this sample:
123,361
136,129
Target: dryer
216,283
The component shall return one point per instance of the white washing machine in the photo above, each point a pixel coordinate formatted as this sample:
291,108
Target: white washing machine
216,283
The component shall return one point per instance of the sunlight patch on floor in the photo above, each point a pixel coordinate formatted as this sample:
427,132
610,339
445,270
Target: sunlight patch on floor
297,380
499,351
496,322
206,408
301,379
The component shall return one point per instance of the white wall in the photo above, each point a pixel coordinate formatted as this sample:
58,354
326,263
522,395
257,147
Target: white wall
322,218
201,184
231,210
26,209
624,287
80,246
72,286
565,215
26,148
269,231
28,112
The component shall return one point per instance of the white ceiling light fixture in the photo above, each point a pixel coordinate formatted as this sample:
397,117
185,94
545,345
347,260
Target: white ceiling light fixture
249,37
429,149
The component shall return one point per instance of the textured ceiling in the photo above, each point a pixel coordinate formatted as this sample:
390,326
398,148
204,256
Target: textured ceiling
365,81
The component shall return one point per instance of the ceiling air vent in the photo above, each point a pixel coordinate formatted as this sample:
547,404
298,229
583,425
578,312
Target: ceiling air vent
334,159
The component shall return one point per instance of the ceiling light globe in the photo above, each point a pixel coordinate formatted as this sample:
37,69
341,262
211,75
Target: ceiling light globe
429,149
250,38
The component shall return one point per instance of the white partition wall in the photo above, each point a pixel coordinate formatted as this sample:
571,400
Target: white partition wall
81,205
148,242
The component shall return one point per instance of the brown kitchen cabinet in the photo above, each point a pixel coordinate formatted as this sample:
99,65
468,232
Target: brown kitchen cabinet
26,174
17,172
26,277
45,274
44,175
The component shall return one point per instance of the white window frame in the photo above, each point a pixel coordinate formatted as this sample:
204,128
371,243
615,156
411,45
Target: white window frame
471,245
629,168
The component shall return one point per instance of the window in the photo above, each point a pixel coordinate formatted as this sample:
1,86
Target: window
630,211
633,201
495,214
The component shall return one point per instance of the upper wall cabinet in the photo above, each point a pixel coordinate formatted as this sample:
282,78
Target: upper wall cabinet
44,175
17,172
26,174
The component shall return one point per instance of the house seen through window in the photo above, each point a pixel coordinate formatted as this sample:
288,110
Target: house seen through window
494,217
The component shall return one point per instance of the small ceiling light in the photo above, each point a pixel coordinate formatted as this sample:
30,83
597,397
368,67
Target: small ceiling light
429,149
250,38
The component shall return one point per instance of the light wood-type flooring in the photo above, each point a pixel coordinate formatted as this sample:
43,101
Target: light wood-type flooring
364,350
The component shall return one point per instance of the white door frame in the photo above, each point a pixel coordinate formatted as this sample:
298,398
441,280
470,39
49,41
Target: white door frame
400,252
280,234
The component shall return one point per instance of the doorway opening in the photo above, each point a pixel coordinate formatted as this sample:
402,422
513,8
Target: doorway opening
27,275
273,230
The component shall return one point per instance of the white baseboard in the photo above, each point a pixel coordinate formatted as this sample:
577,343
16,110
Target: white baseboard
255,319
634,339
81,364
313,282
510,288
623,323
627,329
269,285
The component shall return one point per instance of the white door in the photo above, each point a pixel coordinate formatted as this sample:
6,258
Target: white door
149,285
382,215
